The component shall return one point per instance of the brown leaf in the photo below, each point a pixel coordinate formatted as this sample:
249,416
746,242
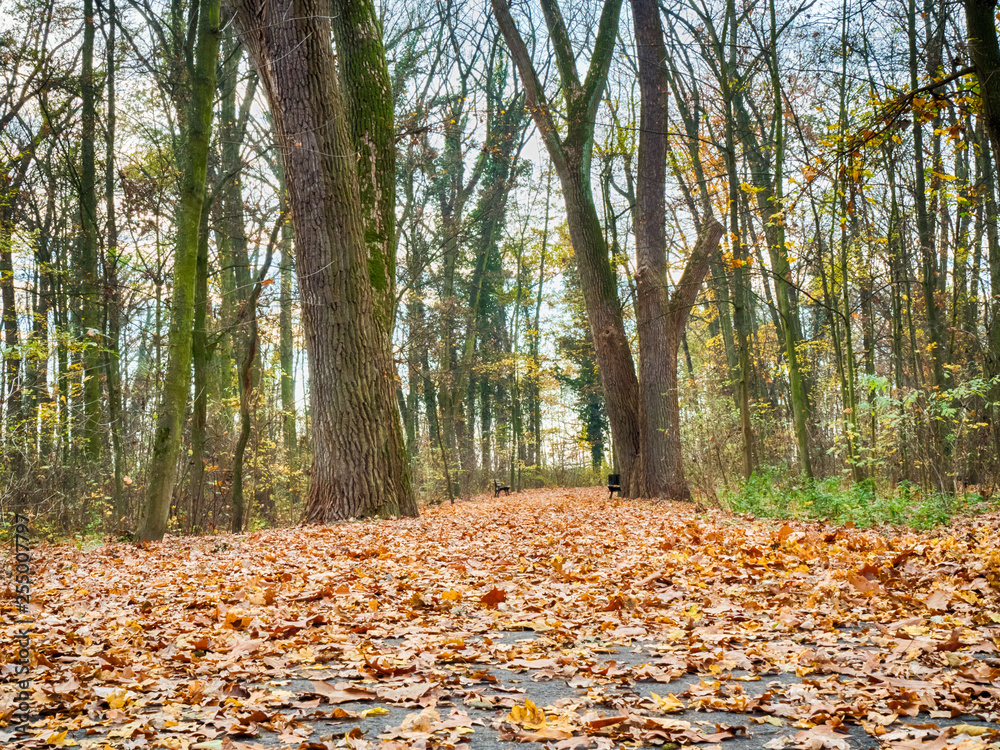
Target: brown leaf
405,693
953,643
938,600
864,585
493,597
606,721
342,692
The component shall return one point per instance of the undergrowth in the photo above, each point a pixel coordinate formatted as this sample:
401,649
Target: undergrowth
771,493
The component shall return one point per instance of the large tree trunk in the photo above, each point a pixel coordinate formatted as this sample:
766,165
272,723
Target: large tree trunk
359,467
984,48
658,353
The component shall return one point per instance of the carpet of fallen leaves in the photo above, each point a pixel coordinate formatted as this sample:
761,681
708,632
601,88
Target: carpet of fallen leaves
194,643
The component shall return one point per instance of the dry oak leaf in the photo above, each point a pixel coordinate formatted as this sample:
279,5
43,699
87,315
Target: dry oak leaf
405,693
865,585
546,733
953,643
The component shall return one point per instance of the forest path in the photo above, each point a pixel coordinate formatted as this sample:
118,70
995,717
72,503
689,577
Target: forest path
552,616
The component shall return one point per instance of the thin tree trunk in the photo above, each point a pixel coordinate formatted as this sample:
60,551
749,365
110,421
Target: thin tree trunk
39,382
248,380
113,294
194,166
12,355
286,349
928,262
770,197
727,54
200,357
86,265
961,337
486,425
984,49
535,445
234,249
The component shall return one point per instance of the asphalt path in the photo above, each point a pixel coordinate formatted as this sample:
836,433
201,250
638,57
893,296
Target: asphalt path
483,702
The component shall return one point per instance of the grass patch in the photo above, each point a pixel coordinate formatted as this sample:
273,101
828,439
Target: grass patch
770,493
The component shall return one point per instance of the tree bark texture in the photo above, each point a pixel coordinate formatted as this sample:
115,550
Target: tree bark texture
660,319
367,90
359,467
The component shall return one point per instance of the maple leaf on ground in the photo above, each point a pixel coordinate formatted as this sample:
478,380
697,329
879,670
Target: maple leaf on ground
938,600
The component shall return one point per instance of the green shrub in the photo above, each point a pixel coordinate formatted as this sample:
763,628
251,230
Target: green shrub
772,493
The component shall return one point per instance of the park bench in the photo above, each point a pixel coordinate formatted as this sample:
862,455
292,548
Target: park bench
614,485
499,487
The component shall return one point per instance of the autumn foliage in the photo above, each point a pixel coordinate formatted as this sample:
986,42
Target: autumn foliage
650,614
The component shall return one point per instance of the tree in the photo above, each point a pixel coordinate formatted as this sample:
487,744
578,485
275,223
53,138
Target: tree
571,156
359,466
86,262
197,134
577,346
661,317
984,48
644,411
